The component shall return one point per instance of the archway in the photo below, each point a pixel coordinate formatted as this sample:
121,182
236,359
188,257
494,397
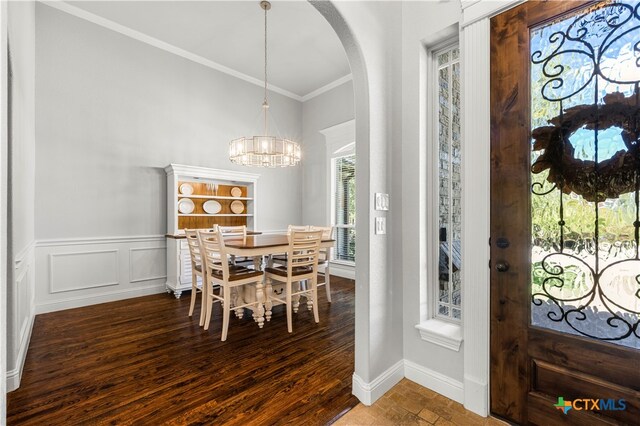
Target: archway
361,100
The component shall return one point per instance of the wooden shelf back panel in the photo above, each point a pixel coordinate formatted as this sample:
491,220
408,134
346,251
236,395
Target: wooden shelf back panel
198,222
202,188
226,206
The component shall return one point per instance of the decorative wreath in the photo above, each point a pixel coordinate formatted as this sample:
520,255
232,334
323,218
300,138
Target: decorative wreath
615,175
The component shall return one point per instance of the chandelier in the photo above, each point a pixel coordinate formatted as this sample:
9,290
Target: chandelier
264,151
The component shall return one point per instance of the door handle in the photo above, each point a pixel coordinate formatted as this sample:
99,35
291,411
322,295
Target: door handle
502,266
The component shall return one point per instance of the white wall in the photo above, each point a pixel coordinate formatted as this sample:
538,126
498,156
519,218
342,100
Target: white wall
424,23
20,288
323,111
112,112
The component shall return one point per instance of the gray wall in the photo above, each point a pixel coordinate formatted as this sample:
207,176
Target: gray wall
333,107
20,284
378,340
112,112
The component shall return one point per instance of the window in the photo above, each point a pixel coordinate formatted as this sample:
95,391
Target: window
344,207
447,106
441,310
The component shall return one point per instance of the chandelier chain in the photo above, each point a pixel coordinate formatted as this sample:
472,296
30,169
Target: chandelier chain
266,103
265,55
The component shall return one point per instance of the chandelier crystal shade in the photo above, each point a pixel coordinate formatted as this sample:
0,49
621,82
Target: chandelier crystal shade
264,151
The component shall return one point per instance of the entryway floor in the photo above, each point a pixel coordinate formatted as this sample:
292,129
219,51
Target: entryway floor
408,403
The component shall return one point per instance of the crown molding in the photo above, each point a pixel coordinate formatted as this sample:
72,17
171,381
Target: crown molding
144,38
327,87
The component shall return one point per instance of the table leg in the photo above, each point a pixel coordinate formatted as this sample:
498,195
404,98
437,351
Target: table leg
251,296
234,302
260,302
268,304
264,262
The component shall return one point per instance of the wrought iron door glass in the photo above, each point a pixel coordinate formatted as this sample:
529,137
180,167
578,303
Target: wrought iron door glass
585,173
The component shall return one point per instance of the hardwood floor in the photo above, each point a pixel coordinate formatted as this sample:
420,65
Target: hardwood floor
144,361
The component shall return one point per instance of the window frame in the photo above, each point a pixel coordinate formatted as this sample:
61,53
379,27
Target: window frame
347,150
442,331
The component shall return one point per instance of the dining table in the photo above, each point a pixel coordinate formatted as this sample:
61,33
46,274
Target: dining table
261,247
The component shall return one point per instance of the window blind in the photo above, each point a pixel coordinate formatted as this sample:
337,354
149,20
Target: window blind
345,208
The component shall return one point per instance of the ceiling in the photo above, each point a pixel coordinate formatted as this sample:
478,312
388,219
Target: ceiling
305,53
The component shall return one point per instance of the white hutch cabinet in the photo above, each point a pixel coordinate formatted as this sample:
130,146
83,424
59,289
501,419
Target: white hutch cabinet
199,197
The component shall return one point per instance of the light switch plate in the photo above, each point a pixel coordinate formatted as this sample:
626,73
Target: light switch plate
381,201
381,225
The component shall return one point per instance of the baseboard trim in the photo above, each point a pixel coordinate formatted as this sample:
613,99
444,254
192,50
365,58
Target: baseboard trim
435,381
15,375
368,393
476,396
343,271
80,301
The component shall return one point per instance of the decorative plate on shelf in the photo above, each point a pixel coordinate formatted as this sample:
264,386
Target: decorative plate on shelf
186,206
237,207
212,207
186,189
236,192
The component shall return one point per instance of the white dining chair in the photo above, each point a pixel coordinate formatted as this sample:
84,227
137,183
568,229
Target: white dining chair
324,258
302,265
236,231
281,259
196,272
218,271
239,232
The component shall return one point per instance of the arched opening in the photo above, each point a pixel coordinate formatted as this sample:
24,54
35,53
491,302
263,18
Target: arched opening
361,99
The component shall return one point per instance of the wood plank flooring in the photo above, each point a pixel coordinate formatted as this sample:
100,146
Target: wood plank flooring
144,361
408,403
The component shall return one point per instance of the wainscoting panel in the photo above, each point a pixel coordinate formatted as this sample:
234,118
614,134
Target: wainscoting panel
22,314
147,264
80,272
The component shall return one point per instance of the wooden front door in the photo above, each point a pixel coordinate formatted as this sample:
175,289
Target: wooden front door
565,215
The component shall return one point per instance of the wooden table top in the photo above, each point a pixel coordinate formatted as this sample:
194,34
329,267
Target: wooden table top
183,236
263,241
